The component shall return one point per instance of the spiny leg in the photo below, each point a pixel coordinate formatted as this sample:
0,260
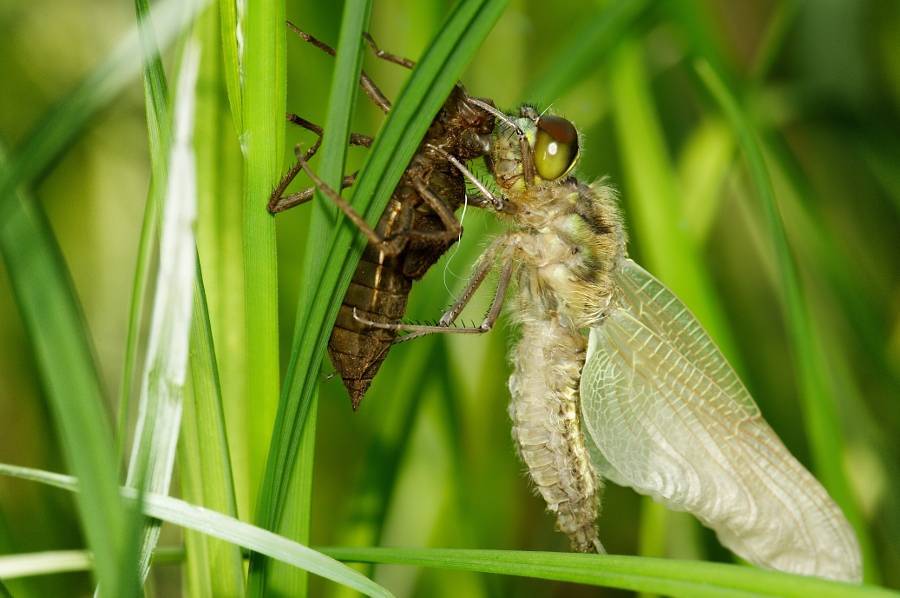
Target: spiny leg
365,82
295,199
388,246
357,139
404,62
485,264
278,202
496,202
452,227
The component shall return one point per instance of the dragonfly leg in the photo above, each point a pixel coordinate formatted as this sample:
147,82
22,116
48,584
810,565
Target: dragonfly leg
278,202
452,227
487,196
368,86
389,246
286,202
445,326
357,139
404,62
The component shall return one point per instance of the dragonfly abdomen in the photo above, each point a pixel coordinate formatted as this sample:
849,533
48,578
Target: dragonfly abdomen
545,409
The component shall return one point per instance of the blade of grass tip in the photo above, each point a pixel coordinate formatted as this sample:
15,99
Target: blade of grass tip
67,119
297,480
212,564
429,84
223,527
579,56
52,316
162,388
818,398
671,577
263,89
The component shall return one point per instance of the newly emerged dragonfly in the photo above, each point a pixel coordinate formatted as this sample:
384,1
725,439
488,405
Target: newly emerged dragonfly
415,230
645,399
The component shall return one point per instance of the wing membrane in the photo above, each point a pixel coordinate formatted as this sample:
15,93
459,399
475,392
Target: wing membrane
669,417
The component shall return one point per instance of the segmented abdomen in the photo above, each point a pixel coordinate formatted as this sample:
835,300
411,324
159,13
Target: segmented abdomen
378,291
547,363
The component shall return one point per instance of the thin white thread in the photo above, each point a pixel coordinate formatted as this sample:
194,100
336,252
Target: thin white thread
462,218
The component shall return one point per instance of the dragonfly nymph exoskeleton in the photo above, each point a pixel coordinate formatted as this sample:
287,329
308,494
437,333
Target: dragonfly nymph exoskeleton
415,230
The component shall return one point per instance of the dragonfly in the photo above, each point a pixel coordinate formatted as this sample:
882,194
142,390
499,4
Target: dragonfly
415,230
615,379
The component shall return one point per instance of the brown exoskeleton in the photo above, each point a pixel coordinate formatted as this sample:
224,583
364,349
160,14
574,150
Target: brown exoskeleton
417,226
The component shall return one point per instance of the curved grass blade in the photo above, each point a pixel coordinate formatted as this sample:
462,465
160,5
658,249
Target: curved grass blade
217,525
654,197
156,101
55,325
63,123
579,57
818,396
203,460
162,390
671,577
428,86
14,566
43,563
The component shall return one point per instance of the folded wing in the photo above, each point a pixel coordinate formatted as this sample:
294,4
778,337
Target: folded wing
666,415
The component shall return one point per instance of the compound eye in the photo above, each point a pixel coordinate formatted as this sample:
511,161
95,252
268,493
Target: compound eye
556,147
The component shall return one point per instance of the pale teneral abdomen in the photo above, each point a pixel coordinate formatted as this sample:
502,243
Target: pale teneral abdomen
545,409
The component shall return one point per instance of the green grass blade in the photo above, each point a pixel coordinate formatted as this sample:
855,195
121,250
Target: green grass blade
262,138
50,562
671,577
228,14
213,567
68,118
204,462
429,84
217,525
818,398
44,563
54,322
579,56
162,390
219,243
348,63
156,101
652,193
704,165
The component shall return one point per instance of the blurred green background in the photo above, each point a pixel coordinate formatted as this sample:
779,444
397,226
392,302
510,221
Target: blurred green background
428,460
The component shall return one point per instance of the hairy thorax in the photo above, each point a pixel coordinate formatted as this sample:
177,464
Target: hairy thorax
566,246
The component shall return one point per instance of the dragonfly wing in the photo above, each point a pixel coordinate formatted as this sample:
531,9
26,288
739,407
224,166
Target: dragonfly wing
669,417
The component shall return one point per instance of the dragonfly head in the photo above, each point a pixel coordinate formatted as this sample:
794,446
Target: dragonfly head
542,147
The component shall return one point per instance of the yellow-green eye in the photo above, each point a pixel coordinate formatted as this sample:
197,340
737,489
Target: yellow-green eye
555,148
